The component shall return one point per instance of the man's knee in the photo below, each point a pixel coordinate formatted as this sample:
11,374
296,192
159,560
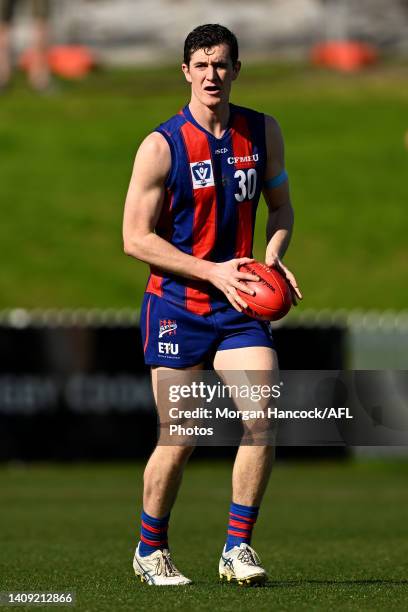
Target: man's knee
179,455
176,455
262,432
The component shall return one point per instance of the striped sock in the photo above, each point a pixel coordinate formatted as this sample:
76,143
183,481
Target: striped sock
153,534
241,522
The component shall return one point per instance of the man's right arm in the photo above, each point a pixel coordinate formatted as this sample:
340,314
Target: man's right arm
143,205
142,210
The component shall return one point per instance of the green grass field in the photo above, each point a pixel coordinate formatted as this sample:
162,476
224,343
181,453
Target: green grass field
332,536
66,161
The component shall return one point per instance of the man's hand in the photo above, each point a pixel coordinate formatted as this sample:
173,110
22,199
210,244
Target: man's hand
226,277
274,262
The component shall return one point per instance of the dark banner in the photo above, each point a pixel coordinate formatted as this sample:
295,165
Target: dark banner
71,392
286,408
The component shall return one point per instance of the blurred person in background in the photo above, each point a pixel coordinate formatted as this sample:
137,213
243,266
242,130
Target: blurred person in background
38,69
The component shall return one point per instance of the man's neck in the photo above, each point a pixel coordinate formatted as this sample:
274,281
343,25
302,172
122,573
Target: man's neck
214,120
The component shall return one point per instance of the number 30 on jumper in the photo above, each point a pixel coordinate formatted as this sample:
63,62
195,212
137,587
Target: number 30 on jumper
246,184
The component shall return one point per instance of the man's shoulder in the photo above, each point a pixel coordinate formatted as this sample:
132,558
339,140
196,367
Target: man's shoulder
172,125
272,127
251,113
269,120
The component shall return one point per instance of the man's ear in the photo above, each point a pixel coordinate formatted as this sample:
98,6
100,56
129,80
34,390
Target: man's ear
186,71
236,70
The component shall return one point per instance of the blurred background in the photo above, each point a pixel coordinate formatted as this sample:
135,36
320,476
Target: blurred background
334,74
82,82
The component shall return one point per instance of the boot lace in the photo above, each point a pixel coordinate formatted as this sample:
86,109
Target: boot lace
248,556
165,566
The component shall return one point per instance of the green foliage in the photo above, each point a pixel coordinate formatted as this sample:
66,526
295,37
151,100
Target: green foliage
66,162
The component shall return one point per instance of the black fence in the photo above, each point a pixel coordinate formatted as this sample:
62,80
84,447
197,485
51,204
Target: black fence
75,391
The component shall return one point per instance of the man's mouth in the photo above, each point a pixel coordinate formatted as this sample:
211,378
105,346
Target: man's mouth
212,89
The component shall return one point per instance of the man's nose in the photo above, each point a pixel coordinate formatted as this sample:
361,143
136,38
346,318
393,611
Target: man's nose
211,73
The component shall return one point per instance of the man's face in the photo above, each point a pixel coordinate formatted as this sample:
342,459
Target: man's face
211,73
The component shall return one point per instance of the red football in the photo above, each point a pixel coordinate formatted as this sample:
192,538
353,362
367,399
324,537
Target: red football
272,299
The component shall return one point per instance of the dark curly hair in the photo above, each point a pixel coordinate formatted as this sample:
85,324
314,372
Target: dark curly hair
209,35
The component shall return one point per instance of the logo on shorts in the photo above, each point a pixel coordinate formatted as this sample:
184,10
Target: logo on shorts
168,349
167,327
202,174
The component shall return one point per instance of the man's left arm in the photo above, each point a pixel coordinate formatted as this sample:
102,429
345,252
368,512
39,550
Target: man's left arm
280,212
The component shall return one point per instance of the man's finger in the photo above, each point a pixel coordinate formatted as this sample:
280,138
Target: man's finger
232,300
292,280
243,304
244,288
238,299
296,289
293,295
244,260
294,285
248,277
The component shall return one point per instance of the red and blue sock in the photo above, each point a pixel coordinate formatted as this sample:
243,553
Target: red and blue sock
153,534
241,522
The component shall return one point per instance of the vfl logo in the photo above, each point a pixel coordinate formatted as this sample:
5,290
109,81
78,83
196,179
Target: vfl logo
167,327
202,174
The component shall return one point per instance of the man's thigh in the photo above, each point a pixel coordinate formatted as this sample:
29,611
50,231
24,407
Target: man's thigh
160,376
175,429
255,370
260,358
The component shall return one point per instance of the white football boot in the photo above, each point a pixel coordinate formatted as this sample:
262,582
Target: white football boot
158,569
241,564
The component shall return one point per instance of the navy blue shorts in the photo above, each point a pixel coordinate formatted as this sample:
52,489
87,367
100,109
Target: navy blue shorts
176,338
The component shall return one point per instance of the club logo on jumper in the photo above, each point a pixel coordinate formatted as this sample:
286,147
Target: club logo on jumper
167,327
202,174
243,159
